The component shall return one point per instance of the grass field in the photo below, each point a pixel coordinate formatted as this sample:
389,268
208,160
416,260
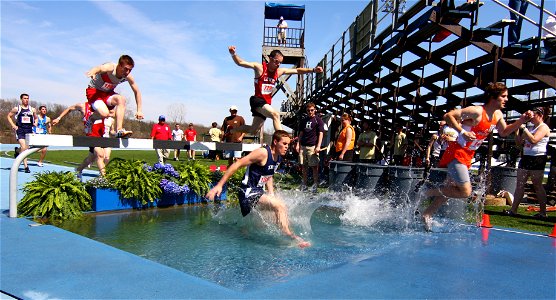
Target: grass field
524,221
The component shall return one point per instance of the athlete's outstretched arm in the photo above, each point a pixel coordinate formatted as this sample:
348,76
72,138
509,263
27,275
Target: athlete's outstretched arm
240,62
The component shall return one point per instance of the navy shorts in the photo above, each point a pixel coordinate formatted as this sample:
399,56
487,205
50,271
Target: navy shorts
248,198
256,102
21,132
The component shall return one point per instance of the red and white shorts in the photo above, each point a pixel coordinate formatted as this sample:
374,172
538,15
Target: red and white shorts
93,95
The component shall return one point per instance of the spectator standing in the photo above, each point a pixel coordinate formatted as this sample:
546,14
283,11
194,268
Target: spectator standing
177,135
514,30
161,131
266,78
25,118
191,136
258,187
43,127
230,122
346,140
533,161
215,135
399,146
367,144
282,26
549,38
438,144
311,132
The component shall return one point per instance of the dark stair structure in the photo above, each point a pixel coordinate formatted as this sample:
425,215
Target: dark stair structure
389,67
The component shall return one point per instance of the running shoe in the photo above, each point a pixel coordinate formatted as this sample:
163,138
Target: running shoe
40,164
27,170
122,133
78,174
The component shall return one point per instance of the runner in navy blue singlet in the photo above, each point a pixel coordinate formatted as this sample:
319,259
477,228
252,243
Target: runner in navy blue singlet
257,187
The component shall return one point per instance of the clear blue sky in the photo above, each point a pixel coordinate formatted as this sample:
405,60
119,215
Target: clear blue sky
179,47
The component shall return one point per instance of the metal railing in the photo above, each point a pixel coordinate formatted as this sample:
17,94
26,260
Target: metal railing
294,37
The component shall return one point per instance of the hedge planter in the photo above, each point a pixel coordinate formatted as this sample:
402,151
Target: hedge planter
110,199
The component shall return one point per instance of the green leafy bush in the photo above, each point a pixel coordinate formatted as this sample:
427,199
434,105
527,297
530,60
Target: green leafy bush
54,195
133,180
195,175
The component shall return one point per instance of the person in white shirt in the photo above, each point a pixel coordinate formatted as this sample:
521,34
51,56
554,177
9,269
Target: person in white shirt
177,135
282,26
550,38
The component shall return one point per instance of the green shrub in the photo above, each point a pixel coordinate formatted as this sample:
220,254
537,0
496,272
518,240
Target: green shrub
133,180
54,195
195,175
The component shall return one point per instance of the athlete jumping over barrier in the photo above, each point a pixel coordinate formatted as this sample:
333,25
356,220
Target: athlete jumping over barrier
266,77
100,92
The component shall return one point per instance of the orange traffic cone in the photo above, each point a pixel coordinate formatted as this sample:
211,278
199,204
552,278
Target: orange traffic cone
553,234
486,221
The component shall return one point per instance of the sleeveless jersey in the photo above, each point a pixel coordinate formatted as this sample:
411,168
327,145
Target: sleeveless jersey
463,150
41,125
537,149
106,82
256,176
342,139
264,85
24,118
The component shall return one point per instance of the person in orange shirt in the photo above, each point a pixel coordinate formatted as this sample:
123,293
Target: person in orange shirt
477,122
346,140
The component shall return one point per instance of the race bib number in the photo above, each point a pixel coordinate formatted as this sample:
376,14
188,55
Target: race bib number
39,130
266,89
108,86
475,144
263,180
26,119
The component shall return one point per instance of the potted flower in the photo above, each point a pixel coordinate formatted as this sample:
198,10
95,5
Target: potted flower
137,185
197,177
172,192
54,196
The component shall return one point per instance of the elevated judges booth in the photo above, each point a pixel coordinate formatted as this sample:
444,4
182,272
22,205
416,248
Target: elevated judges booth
292,46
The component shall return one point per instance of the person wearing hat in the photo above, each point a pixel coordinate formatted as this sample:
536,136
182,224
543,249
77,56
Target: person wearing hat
230,122
533,161
282,26
266,78
191,136
161,131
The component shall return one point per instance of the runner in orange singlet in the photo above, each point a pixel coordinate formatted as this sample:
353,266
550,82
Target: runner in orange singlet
477,122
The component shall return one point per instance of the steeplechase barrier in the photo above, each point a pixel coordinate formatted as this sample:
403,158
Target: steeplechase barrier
38,141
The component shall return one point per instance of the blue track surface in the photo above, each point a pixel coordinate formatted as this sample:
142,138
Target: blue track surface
47,262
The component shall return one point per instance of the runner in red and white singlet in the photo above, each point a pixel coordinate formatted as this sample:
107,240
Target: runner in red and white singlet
266,78
100,92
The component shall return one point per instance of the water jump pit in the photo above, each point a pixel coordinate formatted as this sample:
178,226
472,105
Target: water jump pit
363,247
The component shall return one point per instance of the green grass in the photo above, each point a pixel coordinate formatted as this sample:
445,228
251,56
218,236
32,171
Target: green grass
73,157
524,221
